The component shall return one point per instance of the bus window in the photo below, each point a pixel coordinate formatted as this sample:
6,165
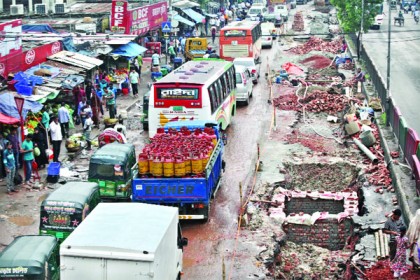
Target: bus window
213,100
219,93
224,87
226,79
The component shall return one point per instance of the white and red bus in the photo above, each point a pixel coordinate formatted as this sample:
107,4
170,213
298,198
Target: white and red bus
240,39
197,90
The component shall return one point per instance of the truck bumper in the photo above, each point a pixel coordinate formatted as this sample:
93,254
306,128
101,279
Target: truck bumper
191,217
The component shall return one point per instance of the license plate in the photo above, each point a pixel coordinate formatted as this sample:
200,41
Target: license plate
234,43
178,108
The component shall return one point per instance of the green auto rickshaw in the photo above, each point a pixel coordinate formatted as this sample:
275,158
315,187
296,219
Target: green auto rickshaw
31,257
65,208
113,166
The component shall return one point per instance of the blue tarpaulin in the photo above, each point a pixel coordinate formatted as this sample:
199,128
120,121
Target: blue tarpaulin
197,17
8,106
43,28
129,50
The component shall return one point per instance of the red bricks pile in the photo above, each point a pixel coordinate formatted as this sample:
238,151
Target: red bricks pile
317,44
298,24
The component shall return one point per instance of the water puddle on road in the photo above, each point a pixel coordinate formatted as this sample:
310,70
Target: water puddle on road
22,220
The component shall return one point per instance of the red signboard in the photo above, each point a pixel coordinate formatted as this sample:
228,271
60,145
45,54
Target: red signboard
10,64
152,47
139,20
39,54
119,18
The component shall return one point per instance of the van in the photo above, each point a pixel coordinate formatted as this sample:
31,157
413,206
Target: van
249,63
31,257
268,30
256,10
65,208
244,84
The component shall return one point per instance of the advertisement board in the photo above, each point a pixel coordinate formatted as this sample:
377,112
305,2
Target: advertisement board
139,20
39,54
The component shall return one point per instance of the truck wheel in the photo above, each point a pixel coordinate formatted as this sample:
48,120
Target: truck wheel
179,277
206,213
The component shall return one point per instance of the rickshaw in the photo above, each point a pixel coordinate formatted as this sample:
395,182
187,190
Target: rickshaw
113,166
31,257
65,208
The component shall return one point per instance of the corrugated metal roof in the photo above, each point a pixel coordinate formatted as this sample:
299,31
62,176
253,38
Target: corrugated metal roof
90,8
79,60
65,69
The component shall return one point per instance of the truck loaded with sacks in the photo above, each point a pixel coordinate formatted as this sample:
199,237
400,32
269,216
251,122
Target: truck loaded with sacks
181,166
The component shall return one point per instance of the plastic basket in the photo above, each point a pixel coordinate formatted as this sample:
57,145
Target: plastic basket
53,169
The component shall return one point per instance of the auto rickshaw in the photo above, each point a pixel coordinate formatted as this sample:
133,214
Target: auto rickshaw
31,257
113,166
65,208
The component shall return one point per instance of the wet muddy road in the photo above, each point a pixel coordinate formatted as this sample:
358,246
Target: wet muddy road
213,245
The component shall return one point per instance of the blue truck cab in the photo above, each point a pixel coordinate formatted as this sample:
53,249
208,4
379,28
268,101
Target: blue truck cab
191,194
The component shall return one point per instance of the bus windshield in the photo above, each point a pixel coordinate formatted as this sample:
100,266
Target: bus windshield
235,33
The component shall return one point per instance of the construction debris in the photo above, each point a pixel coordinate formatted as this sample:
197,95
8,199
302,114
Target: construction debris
298,24
317,44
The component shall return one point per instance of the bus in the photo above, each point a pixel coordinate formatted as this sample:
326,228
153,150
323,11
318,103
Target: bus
198,90
240,39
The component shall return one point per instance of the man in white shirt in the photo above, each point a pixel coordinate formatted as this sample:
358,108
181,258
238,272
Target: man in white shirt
64,118
87,128
56,137
155,59
134,80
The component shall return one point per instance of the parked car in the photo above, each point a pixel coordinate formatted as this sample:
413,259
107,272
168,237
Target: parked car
249,63
244,85
301,2
268,31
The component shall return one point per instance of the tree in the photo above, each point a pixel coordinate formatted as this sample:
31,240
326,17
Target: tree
349,13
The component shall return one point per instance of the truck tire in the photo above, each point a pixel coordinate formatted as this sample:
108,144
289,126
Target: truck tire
206,213
179,277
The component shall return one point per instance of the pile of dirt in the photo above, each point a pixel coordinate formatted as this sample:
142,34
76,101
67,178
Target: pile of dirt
317,44
381,271
317,61
322,174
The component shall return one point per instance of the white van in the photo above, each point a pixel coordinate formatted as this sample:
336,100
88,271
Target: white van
268,31
244,84
256,10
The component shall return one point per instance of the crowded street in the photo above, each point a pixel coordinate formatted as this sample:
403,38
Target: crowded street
260,125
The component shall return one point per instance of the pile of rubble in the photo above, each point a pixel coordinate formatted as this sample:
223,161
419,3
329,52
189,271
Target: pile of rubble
317,44
298,24
317,61
317,101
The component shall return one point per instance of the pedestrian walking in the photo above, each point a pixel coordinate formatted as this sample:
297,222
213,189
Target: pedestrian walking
183,41
139,63
10,167
45,125
14,139
3,146
99,95
64,119
172,53
56,138
87,128
213,34
392,227
39,148
155,59
28,158
78,95
399,263
413,235
134,81
80,112
110,102
88,90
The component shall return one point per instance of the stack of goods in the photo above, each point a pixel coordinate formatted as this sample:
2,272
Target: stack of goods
73,143
298,24
182,153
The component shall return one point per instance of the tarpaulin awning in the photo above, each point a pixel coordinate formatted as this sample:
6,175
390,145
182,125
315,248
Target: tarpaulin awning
197,17
8,106
129,50
210,15
43,94
38,28
185,4
76,59
7,120
183,20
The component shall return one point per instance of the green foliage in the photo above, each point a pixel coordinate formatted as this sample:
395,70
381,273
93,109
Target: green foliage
349,13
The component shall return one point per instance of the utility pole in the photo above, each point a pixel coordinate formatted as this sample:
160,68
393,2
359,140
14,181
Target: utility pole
361,24
388,71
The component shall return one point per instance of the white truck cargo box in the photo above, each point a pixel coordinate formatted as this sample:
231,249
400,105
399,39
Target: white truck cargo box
123,241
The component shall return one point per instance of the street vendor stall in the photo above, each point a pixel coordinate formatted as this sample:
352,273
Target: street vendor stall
110,135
